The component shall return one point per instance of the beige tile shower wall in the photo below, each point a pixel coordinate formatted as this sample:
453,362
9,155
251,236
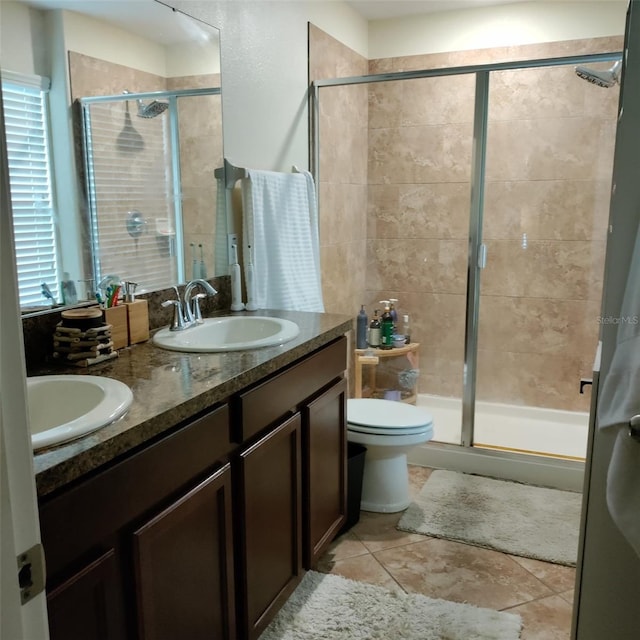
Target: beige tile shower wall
343,173
200,128
550,151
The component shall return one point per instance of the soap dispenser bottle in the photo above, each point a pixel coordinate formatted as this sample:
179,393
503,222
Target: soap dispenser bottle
374,331
386,327
361,329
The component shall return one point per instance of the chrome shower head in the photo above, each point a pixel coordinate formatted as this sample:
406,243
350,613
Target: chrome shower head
152,109
605,79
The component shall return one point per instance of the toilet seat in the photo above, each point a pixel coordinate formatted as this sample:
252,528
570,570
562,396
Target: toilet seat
387,418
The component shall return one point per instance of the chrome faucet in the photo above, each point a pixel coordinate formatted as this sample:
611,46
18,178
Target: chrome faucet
179,322
192,312
186,312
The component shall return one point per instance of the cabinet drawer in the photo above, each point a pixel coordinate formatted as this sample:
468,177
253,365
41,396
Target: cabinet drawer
82,517
264,404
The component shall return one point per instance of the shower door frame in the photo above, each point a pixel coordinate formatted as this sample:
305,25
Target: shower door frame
174,137
513,465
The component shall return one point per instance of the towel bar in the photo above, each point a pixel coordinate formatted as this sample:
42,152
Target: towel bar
634,427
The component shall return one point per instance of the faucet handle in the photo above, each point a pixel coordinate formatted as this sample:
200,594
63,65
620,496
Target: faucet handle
196,313
178,323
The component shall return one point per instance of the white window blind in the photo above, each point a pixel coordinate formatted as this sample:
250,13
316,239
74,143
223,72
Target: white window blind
26,124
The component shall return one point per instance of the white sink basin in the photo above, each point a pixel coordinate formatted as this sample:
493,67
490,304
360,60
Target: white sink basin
230,333
65,407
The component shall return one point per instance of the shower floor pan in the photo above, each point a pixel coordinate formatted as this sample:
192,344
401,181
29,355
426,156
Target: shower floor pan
549,432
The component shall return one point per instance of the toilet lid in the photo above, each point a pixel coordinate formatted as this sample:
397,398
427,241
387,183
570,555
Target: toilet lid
386,414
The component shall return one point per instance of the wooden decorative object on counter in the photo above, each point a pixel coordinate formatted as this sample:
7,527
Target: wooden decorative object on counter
117,317
82,338
138,321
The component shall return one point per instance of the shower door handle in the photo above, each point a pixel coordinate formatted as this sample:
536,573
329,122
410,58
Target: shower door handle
482,256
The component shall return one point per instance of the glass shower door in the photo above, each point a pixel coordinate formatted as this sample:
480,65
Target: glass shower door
549,162
419,181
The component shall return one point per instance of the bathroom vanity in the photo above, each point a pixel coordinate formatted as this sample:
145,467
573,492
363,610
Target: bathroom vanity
196,515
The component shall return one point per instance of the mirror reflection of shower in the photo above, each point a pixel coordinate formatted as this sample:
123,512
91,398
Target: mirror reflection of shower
151,109
133,163
605,79
148,110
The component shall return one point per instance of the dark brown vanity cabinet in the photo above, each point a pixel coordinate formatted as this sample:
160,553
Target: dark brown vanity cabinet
324,438
206,532
290,487
89,604
183,562
144,549
269,518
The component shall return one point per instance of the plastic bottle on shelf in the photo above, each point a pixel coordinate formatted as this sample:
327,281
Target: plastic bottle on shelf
374,331
394,313
406,328
386,327
361,329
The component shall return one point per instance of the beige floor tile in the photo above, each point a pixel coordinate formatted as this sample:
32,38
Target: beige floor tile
461,573
555,576
417,477
545,619
568,596
365,569
378,531
346,546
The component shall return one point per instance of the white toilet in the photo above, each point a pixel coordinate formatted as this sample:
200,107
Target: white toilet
388,430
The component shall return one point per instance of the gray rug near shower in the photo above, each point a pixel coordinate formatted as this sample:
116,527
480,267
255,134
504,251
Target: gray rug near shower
329,607
520,519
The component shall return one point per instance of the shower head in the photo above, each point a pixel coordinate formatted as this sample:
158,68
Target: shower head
152,109
604,79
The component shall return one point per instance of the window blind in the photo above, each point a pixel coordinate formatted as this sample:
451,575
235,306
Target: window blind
30,180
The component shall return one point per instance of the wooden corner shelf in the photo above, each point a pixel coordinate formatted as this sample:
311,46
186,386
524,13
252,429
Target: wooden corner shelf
375,357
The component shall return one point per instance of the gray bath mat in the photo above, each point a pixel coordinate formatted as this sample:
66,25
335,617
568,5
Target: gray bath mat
523,520
329,607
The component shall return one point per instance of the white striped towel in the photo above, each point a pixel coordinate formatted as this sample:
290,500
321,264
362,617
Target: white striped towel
280,220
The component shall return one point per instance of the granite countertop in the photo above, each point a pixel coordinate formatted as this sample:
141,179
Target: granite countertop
170,387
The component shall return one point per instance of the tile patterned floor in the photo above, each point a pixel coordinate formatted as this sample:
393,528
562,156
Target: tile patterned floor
375,551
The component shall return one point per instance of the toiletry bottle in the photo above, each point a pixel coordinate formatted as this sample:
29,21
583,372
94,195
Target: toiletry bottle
394,314
69,293
361,329
386,327
374,331
406,328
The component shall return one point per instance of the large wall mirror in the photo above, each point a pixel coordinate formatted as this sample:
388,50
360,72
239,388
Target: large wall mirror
114,125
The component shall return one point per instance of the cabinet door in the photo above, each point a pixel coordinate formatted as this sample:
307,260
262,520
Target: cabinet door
269,524
88,606
325,464
184,566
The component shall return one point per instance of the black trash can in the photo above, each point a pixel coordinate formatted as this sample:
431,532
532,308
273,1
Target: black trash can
355,470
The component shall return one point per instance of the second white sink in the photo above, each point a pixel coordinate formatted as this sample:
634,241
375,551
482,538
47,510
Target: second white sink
229,333
65,407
